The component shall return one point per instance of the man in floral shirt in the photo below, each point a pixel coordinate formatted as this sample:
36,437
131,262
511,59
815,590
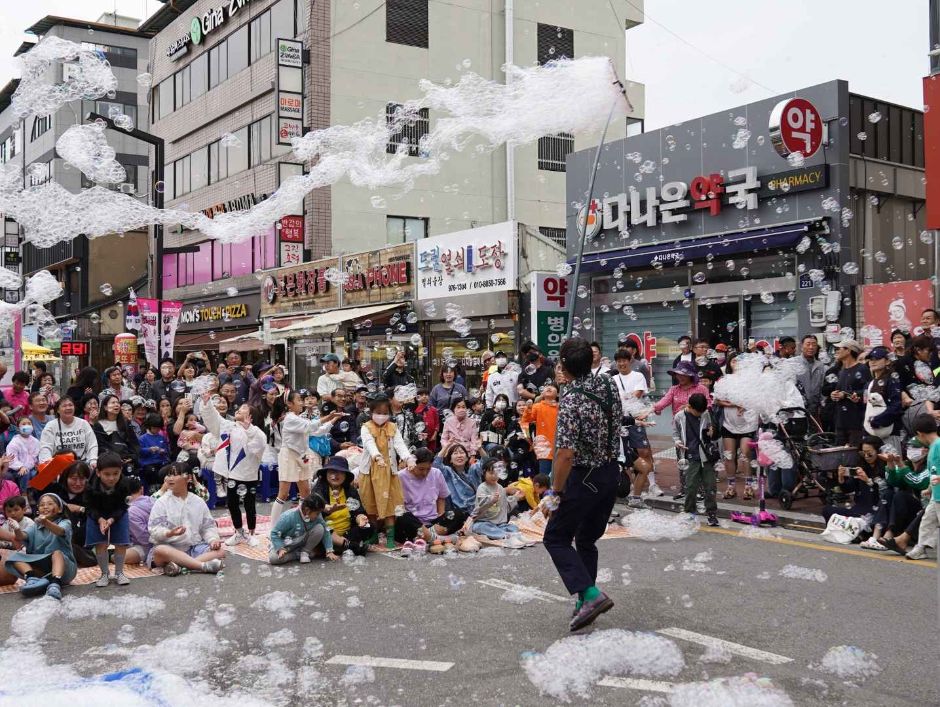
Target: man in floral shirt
584,479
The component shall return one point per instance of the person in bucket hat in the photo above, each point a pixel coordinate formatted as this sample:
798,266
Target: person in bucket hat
344,514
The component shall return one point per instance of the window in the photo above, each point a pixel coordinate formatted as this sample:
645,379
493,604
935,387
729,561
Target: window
554,234
553,150
181,87
123,57
182,176
218,64
128,186
199,75
260,140
260,31
554,43
238,156
413,128
282,21
635,126
217,261
406,22
40,126
39,173
165,98
303,15
237,50
405,229
110,109
199,168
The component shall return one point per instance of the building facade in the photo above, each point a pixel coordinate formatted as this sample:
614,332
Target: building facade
215,102
762,221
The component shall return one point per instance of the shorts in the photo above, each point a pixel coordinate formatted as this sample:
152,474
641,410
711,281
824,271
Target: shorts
142,552
637,436
194,551
725,434
293,467
118,534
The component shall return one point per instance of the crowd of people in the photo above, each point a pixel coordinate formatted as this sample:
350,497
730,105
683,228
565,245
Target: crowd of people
371,462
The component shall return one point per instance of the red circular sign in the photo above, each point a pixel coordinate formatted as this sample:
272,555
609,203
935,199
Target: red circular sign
796,126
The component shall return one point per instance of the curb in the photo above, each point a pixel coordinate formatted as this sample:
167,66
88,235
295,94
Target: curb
800,521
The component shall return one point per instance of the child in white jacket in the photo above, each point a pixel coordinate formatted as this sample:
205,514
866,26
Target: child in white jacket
293,459
238,459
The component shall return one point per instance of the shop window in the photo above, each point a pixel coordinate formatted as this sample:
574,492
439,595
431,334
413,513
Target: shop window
406,22
242,258
405,229
553,150
202,264
554,43
412,129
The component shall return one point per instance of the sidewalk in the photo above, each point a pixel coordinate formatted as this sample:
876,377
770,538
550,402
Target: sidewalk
804,515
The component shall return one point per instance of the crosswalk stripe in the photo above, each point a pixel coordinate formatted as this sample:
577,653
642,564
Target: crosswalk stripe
531,591
736,648
638,684
400,663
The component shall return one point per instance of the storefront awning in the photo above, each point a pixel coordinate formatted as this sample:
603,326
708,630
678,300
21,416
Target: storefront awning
35,352
716,245
252,341
211,341
327,323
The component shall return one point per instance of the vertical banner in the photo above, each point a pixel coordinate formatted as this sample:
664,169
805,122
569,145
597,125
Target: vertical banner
290,90
550,295
150,329
291,228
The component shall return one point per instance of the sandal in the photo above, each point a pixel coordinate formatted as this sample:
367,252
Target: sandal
420,546
892,544
748,493
407,549
872,544
731,492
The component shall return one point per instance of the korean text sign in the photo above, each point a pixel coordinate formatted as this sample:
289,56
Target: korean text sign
551,297
468,262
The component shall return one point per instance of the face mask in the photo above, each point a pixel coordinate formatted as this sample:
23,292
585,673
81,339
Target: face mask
701,361
500,406
26,431
915,454
500,363
461,414
379,419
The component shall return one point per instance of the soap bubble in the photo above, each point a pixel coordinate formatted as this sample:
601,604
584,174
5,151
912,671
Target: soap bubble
230,140
106,289
874,117
850,268
86,148
564,269
412,318
897,243
231,291
415,339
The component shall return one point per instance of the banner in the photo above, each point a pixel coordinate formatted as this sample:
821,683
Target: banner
149,329
471,262
550,303
896,305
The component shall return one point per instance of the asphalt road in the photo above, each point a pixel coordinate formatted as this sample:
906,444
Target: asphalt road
286,636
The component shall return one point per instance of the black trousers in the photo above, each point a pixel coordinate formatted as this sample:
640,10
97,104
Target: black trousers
408,525
582,515
233,501
904,507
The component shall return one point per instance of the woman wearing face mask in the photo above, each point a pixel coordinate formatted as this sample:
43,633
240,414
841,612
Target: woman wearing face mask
496,422
459,427
910,477
379,486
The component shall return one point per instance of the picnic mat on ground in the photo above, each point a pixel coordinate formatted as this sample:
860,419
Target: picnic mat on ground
533,527
262,530
88,575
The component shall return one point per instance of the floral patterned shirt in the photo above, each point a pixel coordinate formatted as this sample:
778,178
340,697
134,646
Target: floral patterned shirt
584,426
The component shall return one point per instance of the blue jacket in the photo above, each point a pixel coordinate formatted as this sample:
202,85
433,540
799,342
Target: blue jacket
148,458
292,525
462,487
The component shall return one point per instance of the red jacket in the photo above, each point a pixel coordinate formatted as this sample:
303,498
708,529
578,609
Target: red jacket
432,424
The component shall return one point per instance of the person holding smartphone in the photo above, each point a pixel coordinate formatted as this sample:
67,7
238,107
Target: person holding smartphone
849,395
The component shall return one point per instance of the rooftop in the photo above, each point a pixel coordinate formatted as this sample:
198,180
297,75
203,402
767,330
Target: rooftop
41,27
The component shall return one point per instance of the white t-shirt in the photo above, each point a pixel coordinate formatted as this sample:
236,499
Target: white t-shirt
627,386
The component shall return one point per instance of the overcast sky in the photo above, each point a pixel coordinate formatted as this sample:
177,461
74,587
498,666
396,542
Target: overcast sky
777,46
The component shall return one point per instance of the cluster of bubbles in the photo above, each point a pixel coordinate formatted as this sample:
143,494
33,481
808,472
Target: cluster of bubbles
86,148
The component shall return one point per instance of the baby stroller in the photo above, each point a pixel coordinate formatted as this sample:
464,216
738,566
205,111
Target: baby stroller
814,453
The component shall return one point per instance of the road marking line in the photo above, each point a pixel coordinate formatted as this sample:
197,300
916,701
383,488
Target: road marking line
400,663
535,593
871,554
638,684
736,648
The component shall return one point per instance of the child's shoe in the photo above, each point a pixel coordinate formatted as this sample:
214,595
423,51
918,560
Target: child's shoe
122,579
712,520
304,558
253,540
102,581
34,586
54,591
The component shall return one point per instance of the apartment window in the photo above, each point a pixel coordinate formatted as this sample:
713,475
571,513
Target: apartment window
554,43
181,87
260,140
238,156
405,229
406,22
110,109
182,176
40,126
553,149
412,128
557,235
122,57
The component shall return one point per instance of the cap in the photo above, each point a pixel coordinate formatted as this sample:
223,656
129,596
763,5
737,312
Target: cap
721,347
850,344
487,355
329,358
878,353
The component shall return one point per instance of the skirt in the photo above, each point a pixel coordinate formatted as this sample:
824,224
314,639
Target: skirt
292,467
380,492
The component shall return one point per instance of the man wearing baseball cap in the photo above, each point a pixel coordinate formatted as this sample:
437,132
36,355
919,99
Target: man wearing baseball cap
849,393
327,382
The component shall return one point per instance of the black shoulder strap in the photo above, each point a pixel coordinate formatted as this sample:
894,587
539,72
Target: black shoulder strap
607,406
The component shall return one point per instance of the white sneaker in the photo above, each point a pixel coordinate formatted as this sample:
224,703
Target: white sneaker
918,552
654,490
514,542
238,537
304,558
253,540
212,566
122,579
102,581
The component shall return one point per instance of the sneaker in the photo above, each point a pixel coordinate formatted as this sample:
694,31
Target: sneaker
679,496
54,591
654,490
34,586
713,520
918,552
700,507
122,579
212,566
304,558
171,569
253,541
102,581
407,549
514,542
636,502
237,538
589,611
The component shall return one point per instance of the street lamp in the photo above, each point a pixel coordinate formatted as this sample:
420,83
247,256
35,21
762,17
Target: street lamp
157,269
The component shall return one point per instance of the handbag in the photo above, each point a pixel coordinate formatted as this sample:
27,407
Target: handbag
842,530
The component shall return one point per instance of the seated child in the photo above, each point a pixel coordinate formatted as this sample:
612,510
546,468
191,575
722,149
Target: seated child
46,560
14,509
299,532
24,452
490,516
344,514
139,506
105,501
533,488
